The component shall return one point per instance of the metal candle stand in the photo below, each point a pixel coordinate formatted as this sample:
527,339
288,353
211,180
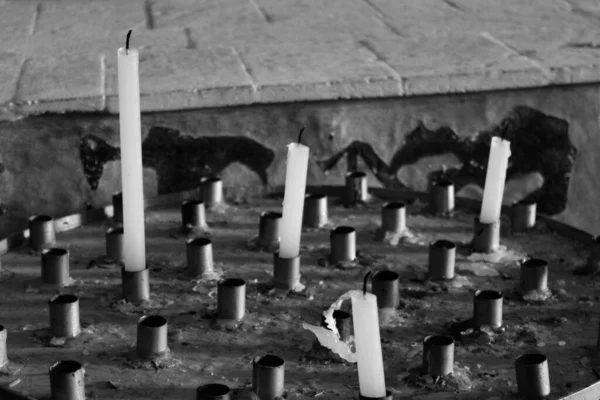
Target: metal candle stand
231,299
55,266
486,237
388,396
114,244
286,272
117,202
268,376
534,275
523,216
385,285
442,259
41,232
393,217
199,256
487,309
343,244
213,391
269,229
211,191
533,379
315,211
193,215
151,337
3,352
67,380
438,356
136,285
442,197
357,188
343,323
64,315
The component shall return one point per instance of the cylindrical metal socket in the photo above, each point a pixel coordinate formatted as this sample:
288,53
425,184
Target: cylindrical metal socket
114,244
343,244
193,215
442,258
486,237
64,315
385,285
199,256
231,299
534,275
213,391
442,197
41,232
67,380
269,228
487,308
388,396
268,376
136,285
315,210
211,190
533,378
117,202
597,341
523,214
438,355
286,272
151,336
55,266
393,217
3,352
343,323
357,188
593,262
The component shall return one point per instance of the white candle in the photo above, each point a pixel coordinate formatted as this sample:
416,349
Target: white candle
494,181
371,378
293,200
134,245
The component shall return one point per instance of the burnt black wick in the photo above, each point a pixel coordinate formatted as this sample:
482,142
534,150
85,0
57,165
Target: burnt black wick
127,42
300,135
367,276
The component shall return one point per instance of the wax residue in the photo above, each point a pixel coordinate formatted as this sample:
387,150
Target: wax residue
331,338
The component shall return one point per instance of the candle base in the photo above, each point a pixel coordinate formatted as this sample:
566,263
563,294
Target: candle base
388,396
3,353
151,337
534,275
356,188
343,323
268,376
438,356
315,210
286,272
533,378
343,244
442,258
41,232
211,191
393,217
487,309
213,391
114,244
67,380
199,257
231,299
55,266
117,202
385,287
193,216
64,316
523,216
269,228
486,237
136,285
442,198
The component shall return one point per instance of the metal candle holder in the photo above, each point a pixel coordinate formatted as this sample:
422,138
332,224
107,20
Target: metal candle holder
343,244
3,352
534,275
357,188
114,244
211,190
55,266
388,396
136,285
213,391
286,272
117,202
315,210
41,232
64,315
67,380
438,356
523,215
343,323
593,262
486,237
199,256
533,379
393,217
269,228
231,299
192,215
385,285
268,376
487,309
442,259
151,336
442,197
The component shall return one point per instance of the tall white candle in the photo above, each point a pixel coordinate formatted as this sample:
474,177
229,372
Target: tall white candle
134,241
494,181
293,200
371,378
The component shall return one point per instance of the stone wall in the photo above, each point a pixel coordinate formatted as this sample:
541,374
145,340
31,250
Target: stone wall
61,163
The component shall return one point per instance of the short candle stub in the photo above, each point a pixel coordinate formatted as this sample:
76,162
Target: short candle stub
523,216
343,244
388,396
114,244
487,309
534,275
442,197
193,215
211,191
438,355
41,232
315,210
268,376
286,272
213,391
533,379
199,256
357,189
117,202
64,315
231,299
393,217
136,285
151,336
343,323
67,380
269,228
55,266
385,285
3,352
442,259
486,237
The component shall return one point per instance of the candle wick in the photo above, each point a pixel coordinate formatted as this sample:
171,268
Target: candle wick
127,42
300,135
365,282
